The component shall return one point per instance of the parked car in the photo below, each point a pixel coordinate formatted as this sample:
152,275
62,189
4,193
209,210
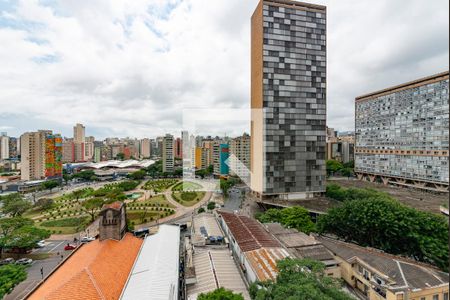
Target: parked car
87,239
69,247
40,244
24,261
6,261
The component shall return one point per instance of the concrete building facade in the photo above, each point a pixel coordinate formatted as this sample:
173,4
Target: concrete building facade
167,154
402,134
288,100
240,156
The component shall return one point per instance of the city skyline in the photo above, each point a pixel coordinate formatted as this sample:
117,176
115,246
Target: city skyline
48,83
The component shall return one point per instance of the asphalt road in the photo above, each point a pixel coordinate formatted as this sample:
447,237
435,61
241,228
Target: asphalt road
234,200
34,270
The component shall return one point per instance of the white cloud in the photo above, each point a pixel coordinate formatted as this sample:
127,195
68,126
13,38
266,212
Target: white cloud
130,67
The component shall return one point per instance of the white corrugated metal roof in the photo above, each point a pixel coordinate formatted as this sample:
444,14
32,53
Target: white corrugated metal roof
155,273
216,268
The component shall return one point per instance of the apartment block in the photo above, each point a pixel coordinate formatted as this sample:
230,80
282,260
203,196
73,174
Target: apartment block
402,134
145,148
288,100
340,147
168,154
240,156
41,155
4,146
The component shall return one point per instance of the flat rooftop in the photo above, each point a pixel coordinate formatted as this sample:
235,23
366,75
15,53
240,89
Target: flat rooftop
407,85
208,222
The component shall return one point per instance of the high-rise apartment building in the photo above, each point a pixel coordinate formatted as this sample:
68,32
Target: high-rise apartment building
79,133
41,155
402,134
216,156
288,99
167,154
4,146
178,148
240,156
14,147
145,148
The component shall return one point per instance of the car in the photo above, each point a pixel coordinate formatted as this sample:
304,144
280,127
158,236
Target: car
24,261
40,244
87,239
6,261
69,247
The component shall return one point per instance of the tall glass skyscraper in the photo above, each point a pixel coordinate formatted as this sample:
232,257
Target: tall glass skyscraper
288,100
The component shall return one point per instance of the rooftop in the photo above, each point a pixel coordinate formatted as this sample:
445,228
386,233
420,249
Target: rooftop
405,273
249,234
215,268
417,82
300,244
115,205
264,262
97,270
155,272
208,222
118,164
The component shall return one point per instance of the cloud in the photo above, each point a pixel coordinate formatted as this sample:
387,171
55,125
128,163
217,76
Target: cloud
129,68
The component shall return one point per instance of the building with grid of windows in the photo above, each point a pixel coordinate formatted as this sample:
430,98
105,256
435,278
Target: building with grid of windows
288,100
402,134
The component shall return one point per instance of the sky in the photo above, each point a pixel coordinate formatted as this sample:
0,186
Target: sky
131,68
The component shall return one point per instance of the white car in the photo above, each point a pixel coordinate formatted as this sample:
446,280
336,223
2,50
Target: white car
87,239
40,244
24,261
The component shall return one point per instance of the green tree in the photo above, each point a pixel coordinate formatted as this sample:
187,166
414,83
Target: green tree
44,203
120,156
19,232
78,194
91,206
49,185
333,166
220,294
138,175
86,175
211,205
15,205
299,280
201,210
293,217
10,276
390,226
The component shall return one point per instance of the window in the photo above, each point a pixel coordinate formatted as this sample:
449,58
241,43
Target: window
445,296
435,297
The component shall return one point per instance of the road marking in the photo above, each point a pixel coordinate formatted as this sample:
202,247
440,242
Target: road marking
55,247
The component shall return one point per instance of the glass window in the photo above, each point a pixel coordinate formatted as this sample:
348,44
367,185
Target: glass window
445,296
435,297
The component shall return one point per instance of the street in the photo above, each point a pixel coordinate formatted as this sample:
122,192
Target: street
56,249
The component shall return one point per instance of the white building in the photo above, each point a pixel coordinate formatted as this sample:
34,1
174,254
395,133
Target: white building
155,274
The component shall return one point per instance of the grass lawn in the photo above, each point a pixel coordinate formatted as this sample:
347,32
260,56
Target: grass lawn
186,186
141,217
159,200
188,198
65,226
159,185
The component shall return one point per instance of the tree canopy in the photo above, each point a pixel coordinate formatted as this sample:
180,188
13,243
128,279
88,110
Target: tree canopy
91,206
10,276
336,167
211,205
339,193
292,217
15,204
220,294
299,279
19,232
138,175
386,224
49,184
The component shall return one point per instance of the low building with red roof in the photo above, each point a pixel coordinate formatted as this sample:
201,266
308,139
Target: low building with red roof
256,250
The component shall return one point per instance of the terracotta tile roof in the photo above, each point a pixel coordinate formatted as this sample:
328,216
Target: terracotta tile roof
98,270
249,234
116,205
